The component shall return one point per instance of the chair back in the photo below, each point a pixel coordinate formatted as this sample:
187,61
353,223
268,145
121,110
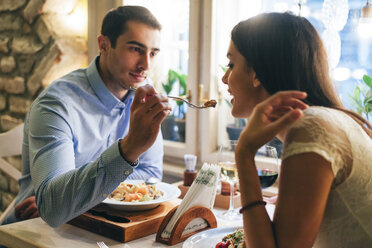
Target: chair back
10,145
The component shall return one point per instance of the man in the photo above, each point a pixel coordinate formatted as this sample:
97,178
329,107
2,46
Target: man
89,130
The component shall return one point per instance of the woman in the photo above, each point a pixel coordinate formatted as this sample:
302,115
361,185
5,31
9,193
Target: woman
277,63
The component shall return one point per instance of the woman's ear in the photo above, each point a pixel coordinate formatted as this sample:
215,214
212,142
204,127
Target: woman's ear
256,81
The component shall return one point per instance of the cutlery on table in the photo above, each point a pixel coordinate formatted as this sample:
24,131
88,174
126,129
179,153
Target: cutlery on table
152,180
102,245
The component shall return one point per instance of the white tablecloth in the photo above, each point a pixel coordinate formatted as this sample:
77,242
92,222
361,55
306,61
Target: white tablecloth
36,233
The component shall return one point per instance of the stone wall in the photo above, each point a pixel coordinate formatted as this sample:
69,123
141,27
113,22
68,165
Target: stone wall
36,47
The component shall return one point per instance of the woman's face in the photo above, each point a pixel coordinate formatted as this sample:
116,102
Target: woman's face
243,85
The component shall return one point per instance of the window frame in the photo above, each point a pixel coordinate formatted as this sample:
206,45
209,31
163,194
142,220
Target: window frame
203,133
173,151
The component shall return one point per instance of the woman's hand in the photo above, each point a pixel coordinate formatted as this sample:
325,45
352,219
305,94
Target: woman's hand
269,117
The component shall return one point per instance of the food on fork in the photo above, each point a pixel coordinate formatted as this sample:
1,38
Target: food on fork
232,240
135,193
210,103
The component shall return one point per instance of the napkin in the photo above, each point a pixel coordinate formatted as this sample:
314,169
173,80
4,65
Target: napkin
202,192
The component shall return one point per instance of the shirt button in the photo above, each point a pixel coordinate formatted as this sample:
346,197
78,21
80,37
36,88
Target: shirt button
126,173
104,195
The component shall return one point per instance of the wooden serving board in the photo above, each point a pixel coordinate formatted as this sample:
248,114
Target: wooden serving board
123,226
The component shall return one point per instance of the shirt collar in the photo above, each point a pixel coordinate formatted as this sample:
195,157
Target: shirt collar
100,89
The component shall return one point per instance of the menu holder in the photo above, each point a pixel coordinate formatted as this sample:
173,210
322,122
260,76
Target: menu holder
221,201
191,214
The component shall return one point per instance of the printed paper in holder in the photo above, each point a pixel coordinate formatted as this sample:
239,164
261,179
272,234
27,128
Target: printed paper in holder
202,192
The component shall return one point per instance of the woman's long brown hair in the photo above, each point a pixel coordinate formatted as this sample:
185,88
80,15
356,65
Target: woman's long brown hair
286,53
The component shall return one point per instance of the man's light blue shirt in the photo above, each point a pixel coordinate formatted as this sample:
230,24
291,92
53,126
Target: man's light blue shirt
71,159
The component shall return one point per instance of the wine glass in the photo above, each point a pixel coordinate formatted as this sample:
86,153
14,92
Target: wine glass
267,165
229,174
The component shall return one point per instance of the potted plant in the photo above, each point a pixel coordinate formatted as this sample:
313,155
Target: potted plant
173,127
234,129
362,97
181,111
169,123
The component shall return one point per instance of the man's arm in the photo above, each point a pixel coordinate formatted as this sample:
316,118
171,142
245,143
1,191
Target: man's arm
63,191
150,162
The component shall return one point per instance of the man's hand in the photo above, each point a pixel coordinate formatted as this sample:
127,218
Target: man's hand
26,209
148,111
269,118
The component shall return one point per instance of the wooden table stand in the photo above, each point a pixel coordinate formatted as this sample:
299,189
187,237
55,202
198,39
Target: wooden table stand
179,227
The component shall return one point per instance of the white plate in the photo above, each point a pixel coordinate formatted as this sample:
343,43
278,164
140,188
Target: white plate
208,238
170,192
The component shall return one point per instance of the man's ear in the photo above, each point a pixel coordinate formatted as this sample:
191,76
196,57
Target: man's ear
103,43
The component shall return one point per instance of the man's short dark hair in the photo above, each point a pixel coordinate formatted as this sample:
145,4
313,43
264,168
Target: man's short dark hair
114,23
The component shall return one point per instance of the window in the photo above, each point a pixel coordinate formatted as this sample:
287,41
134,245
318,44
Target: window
177,57
355,59
195,39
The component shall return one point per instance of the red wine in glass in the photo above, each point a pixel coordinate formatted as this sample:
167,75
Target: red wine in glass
267,177
267,165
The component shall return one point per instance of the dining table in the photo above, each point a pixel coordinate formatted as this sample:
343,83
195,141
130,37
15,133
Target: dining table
37,233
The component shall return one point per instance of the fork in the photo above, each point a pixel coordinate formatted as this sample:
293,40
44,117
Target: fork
102,245
208,104
205,105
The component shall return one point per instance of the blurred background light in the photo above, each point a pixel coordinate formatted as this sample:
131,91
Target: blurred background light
341,73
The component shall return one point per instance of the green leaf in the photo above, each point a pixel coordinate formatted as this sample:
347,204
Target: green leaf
368,101
368,96
357,103
357,93
369,107
367,80
182,79
180,103
167,88
172,77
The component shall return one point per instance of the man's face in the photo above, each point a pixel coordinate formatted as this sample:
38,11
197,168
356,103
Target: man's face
128,63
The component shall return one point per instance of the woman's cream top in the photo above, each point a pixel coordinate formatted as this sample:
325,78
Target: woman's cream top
336,137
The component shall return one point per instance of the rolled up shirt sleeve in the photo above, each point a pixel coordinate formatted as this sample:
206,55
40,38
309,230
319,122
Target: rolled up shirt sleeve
63,191
70,157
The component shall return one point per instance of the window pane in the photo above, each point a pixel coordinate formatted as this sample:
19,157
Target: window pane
356,47
174,56
233,12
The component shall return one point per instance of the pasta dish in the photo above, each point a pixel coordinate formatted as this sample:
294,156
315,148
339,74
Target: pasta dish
135,193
